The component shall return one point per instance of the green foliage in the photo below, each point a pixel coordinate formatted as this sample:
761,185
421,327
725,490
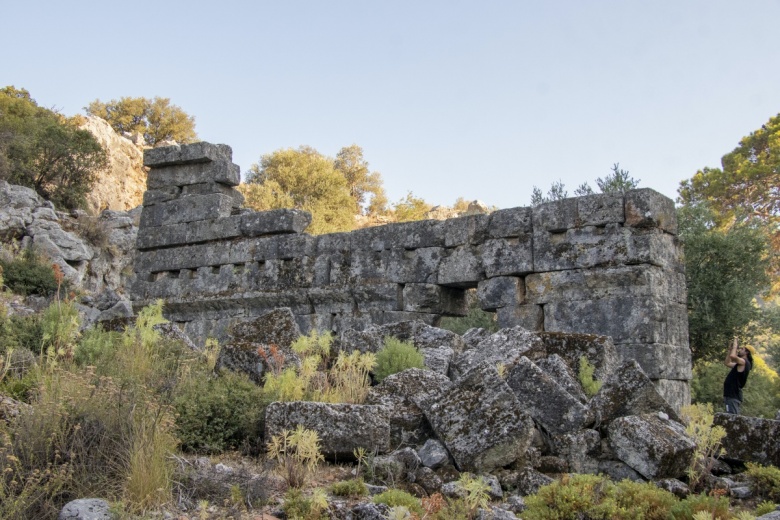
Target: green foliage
60,325
214,414
360,181
475,319
698,425
350,488
716,507
302,179
476,489
396,356
396,498
764,507
410,208
21,332
42,150
766,480
297,454
298,506
617,182
28,273
156,119
724,270
589,384
96,346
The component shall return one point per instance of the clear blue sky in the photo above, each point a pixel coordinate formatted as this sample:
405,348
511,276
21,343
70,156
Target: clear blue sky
447,98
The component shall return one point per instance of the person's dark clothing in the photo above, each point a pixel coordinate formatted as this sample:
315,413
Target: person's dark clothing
732,386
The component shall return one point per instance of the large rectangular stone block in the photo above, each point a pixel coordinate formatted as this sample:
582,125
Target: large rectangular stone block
556,216
413,265
508,256
602,282
187,209
332,301
367,266
387,317
646,208
378,297
750,439
430,298
528,316
659,361
600,210
501,291
462,267
421,233
189,233
627,319
511,222
187,154
472,229
276,221
222,172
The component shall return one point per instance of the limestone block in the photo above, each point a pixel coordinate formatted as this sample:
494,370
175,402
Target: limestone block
418,234
274,222
555,216
277,327
389,317
367,267
530,317
188,209
501,291
86,509
628,392
344,321
481,422
674,391
750,439
506,346
160,195
438,359
189,233
378,297
599,210
432,298
580,449
547,402
413,266
222,172
468,230
648,208
342,428
433,454
422,335
512,222
310,322
462,267
602,282
375,238
368,340
187,154
563,374
333,243
654,446
331,300
659,361
56,243
626,319
207,188
598,350
508,256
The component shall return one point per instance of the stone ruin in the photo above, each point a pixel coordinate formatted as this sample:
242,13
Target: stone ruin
602,264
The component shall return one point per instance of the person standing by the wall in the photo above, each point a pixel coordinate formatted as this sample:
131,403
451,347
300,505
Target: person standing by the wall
740,361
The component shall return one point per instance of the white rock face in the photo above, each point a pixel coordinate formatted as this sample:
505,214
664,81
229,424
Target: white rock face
121,187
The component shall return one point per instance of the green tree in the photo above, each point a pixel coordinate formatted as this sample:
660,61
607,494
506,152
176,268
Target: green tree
619,181
745,187
361,181
410,208
725,270
302,179
156,119
45,151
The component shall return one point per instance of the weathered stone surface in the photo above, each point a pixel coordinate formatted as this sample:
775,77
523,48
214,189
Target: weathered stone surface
413,266
529,317
618,470
506,346
472,229
659,361
646,208
579,449
750,439
423,336
598,350
653,446
529,481
555,216
274,222
675,392
473,337
187,154
438,359
511,222
600,210
342,428
462,267
433,298
187,209
433,454
86,509
628,392
562,373
481,421
277,327
547,402
508,256
428,479
501,291
10,408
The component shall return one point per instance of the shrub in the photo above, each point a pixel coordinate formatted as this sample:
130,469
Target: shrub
396,498
21,332
765,507
297,506
93,230
297,454
698,425
396,356
589,384
96,346
350,488
476,492
476,318
215,414
717,507
28,274
766,480
60,325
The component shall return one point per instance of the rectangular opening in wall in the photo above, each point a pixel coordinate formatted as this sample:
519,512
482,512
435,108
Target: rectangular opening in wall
214,269
173,275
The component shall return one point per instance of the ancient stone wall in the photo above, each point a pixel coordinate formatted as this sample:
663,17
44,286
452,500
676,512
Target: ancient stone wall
602,264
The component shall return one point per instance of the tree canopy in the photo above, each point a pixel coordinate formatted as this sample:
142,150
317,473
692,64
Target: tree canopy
303,179
361,181
43,150
156,119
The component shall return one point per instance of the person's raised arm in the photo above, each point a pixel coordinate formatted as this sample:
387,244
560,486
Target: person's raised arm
731,356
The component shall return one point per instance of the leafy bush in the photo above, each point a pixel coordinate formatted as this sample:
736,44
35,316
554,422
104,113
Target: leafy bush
716,507
28,274
96,346
396,356
298,506
698,425
588,382
350,488
766,480
215,414
297,454
476,489
396,498
21,332
765,507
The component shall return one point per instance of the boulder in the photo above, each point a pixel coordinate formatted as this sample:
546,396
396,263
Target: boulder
86,509
433,454
529,481
579,449
341,428
506,346
750,439
598,350
560,371
654,446
481,421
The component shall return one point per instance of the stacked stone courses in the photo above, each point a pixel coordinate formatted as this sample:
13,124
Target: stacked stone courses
601,264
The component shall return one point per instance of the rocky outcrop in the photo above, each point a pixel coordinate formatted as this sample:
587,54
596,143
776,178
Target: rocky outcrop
86,509
121,186
750,439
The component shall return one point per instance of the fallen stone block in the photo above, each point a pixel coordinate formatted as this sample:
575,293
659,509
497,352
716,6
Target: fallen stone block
560,371
506,347
341,428
750,439
654,446
423,336
481,421
598,350
580,449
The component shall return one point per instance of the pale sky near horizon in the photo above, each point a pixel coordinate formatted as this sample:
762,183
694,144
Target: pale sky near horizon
481,100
